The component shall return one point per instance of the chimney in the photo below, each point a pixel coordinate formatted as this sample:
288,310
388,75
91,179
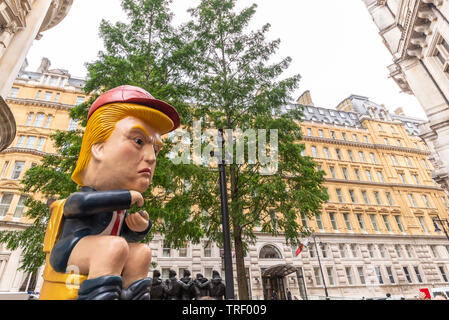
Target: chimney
45,65
399,112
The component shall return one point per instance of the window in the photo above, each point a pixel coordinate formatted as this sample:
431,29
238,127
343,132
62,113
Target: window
373,222
5,167
362,157
398,222
373,157
383,251
426,201
319,222
352,195
338,154
47,123
379,275
415,177
74,123
333,135
339,195
20,141
79,100
305,222
361,275
13,93
398,250
332,172
386,141
326,152
368,174
333,220
165,272
342,248
387,223
5,202
372,254
166,250
381,177
30,117
366,139
270,252
443,273
354,137
57,97
389,198
408,249
20,207
377,197
393,129
401,175
365,197
360,220
425,164
345,173
434,251
423,225
38,94
30,142
18,167
390,275
354,250
393,158
40,143
407,161
357,174
309,132
343,134
445,202
312,250
407,274
330,275
323,248
207,250
399,143
316,272
412,200
183,251
47,96
350,155
349,275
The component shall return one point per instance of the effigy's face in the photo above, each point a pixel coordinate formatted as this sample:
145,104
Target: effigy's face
129,155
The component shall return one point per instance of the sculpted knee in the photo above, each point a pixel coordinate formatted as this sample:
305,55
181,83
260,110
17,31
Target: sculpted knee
117,249
144,251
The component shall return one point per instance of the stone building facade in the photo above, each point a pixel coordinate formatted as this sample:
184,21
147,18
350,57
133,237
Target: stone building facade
416,33
21,21
375,235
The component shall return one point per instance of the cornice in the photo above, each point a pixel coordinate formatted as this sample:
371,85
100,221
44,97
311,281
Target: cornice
365,145
20,225
41,103
380,184
26,150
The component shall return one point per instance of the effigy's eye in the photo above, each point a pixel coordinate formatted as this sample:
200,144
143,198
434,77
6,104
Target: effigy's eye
139,141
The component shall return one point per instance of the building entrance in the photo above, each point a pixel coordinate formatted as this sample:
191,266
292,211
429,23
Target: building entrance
274,278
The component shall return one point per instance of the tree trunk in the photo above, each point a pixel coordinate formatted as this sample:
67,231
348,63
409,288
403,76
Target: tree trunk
240,264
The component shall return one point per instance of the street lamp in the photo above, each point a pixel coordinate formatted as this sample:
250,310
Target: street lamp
437,220
321,269
227,257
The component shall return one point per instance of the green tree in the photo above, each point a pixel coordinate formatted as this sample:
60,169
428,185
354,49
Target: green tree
236,86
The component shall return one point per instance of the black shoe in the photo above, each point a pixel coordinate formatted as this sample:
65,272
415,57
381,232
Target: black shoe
139,290
102,288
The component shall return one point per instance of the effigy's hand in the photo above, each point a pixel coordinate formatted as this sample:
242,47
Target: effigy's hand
136,198
138,221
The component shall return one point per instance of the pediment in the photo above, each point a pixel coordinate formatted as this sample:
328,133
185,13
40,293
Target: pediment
10,185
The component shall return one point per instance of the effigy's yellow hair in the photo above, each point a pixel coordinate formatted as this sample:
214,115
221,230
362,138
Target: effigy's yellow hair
102,122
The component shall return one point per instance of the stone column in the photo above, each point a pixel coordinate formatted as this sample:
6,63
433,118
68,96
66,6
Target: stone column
19,46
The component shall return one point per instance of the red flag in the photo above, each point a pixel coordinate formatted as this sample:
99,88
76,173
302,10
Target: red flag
304,244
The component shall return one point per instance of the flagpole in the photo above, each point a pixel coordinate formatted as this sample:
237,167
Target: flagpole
321,269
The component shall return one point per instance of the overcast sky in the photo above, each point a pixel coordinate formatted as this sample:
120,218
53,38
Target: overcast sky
335,46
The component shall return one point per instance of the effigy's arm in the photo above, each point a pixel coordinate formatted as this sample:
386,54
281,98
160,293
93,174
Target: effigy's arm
81,204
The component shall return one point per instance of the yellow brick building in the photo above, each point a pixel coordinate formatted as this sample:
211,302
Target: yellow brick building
375,235
41,102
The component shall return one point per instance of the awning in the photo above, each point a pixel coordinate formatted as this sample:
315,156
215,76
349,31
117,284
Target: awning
280,270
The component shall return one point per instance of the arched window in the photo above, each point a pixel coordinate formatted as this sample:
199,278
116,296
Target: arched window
270,252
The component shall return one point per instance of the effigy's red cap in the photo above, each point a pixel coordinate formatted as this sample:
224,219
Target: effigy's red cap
132,94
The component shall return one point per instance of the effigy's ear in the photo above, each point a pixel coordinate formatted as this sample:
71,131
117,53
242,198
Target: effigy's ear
97,151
